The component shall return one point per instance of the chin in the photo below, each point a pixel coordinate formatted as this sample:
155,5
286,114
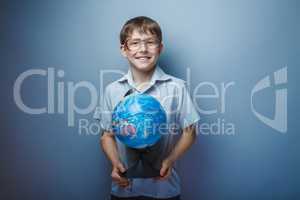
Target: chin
143,67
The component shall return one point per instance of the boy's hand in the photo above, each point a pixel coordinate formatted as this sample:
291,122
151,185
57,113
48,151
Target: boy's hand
165,170
117,169
185,142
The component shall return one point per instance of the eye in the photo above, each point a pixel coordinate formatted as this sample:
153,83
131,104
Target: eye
133,43
152,43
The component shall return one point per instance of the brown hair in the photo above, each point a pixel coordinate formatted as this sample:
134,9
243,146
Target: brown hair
143,25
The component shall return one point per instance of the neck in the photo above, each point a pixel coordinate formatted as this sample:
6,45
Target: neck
141,77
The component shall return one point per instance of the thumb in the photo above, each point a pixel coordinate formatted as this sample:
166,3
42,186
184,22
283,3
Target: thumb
163,170
121,168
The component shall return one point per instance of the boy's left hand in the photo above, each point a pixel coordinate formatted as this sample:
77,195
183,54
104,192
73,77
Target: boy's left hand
165,170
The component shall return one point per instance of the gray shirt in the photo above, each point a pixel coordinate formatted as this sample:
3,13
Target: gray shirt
173,95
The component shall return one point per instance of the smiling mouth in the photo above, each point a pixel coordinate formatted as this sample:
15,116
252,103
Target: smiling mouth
142,58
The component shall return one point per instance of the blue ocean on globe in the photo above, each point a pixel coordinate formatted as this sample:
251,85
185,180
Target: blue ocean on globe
139,121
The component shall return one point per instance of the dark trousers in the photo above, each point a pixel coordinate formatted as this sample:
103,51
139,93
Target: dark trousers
112,197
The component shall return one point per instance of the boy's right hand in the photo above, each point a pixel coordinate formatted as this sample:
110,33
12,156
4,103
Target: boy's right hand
117,170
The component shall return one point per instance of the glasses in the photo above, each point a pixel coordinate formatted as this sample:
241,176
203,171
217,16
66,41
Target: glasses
134,45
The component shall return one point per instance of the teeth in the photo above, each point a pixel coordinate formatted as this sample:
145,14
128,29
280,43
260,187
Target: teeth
142,58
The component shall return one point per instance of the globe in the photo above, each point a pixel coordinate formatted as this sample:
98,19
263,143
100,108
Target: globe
139,121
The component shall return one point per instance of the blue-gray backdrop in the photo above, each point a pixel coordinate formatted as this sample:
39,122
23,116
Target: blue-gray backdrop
222,48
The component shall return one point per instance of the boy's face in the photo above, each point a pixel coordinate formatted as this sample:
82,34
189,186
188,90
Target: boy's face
142,50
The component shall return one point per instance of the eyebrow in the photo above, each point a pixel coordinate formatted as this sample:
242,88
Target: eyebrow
144,39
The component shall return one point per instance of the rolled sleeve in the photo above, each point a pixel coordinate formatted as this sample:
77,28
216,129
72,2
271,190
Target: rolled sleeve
103,113
188,114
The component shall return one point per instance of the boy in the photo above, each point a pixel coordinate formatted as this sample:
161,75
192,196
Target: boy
141,44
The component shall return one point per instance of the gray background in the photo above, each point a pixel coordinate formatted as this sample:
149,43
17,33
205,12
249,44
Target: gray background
220,41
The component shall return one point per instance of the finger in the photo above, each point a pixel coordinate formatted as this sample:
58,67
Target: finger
115,175
123,183
121,168
120,180
166,176
117,178
168,173
163,170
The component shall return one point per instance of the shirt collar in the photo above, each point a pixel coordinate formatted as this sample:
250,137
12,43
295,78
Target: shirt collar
158,75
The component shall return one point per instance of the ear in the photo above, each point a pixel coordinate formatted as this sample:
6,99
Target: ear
123,50
161,48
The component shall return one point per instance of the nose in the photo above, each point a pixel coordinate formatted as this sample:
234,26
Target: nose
143,47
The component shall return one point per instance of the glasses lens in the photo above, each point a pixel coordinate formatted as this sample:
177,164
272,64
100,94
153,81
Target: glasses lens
134,45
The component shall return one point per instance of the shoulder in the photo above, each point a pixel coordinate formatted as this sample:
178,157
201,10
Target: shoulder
175,82
113,87
114,92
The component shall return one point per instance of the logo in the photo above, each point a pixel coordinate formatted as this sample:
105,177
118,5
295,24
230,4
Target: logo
279,122
208,98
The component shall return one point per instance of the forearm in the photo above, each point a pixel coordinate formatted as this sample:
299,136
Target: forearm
185,142
109,147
